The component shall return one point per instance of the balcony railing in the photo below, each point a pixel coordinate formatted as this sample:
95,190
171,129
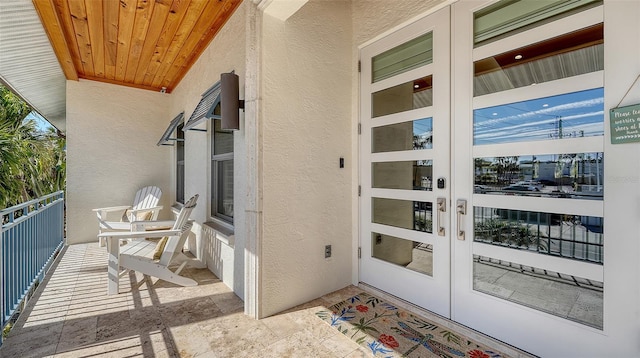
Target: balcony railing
32,235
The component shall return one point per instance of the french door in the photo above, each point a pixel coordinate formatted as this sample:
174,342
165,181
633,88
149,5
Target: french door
482,169
405,163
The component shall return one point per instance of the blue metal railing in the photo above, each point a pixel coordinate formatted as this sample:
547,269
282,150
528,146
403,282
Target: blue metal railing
32,235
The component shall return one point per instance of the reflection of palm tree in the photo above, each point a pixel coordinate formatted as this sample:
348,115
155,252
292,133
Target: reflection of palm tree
422,141
478,164
507,169
500,169
484,171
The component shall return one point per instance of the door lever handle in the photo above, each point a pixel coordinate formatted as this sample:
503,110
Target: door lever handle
461,209
442,208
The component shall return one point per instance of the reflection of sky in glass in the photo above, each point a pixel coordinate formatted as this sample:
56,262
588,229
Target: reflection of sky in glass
577,114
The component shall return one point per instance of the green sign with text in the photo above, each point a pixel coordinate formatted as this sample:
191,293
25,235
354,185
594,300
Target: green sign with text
625,124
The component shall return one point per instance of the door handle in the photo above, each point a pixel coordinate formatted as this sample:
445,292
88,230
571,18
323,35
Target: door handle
461,209
442,208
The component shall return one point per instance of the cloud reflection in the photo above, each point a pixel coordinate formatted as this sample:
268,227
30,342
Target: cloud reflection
577,114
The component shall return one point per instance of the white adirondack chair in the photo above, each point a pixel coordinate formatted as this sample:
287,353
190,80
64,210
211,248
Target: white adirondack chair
145,201
138,254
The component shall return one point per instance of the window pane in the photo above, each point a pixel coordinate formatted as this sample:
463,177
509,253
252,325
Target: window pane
412,54
575,175
571,236
180,183
410,175
577,114
403,97
412,215
575,298
222,139
507,17
412,135
412,255
180,165
224,197
564,56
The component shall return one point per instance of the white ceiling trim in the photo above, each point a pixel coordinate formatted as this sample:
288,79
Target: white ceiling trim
28,64
281,9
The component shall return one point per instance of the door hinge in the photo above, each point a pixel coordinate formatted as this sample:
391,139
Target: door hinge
359,128
359,190
359,66
359,252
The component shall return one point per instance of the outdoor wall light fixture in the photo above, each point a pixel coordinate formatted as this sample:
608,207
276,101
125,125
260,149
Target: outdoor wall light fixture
230,102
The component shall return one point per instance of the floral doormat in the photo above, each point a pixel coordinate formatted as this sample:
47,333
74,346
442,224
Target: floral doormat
387,331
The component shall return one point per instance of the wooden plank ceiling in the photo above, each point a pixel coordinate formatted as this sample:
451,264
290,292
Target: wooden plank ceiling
148,44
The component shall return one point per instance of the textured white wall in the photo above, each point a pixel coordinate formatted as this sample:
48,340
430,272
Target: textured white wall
310,100
375,17
622,178
112,133
306,89
225,54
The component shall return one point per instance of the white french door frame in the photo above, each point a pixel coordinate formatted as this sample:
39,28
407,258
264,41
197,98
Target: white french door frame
429,292
517,324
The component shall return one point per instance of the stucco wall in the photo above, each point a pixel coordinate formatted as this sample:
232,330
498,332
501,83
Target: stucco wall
310,100
375,17
112,133
306,89
226,53
622,177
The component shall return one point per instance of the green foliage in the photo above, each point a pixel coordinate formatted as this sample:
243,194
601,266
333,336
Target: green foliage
361,339
32,163
423,224
364,326
6,329
451,337
509,233
422,324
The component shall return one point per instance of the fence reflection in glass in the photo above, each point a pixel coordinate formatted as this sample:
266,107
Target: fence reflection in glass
406,214
570,236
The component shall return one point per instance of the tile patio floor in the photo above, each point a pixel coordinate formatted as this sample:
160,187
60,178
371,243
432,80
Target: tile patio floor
71,316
